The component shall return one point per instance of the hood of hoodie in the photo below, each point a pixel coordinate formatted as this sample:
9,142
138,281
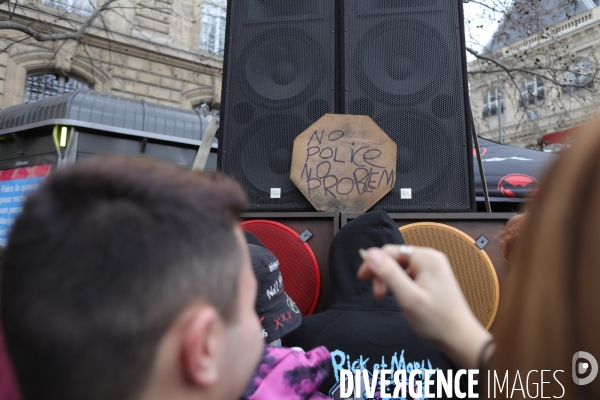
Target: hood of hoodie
373,229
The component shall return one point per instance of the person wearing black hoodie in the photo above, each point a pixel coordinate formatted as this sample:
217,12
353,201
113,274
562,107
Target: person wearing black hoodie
362,332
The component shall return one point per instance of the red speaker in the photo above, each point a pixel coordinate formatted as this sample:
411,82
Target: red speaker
301,243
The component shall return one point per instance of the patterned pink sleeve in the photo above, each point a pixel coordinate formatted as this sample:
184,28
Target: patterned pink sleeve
290,374
8,384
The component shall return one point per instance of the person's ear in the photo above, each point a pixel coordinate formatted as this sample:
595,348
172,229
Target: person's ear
201,347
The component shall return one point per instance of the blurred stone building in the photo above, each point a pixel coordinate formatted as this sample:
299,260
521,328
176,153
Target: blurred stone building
164,51
552,55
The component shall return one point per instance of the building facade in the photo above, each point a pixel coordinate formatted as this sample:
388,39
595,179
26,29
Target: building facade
163,51
552,81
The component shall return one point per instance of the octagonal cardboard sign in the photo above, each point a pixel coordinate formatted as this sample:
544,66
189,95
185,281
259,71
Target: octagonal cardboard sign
344,163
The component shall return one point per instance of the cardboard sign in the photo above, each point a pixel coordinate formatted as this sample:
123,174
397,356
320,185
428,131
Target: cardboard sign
344,163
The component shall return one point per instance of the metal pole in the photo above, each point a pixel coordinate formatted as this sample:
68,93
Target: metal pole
207,138
499,109
486,195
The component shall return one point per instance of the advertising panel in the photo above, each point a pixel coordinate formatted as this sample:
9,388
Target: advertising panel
15,185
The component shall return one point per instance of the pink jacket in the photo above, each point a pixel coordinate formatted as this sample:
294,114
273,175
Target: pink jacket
289,374
8,383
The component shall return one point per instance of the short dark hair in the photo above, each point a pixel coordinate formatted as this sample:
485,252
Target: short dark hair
102,260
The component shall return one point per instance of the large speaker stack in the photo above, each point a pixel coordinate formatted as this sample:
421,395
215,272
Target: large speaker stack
402,63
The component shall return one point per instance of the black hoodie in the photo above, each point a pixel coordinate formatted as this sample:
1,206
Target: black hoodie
360,331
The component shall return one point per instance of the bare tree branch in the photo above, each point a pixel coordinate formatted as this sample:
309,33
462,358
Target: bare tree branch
44,37
479,3
13,43
521,70
531,40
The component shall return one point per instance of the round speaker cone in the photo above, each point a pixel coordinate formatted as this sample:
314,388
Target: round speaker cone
424,151
281,67
264,151
394,66
297,263
472,267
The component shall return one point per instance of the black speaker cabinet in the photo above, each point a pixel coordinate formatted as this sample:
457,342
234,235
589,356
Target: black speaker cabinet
405,67
278,80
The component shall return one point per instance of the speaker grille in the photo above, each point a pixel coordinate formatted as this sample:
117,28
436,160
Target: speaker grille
421,166
297,263
472,267
400,71
404,68
278,80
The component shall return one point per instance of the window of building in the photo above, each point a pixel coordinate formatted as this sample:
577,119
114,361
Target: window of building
492,101
41,85
532,115
81,7
532,92
581,74
212,30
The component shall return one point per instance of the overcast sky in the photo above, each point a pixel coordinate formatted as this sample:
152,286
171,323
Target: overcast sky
481,22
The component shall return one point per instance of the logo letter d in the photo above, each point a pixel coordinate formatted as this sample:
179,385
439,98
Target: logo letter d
582,367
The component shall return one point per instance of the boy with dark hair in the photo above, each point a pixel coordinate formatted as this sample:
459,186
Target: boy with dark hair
126,279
